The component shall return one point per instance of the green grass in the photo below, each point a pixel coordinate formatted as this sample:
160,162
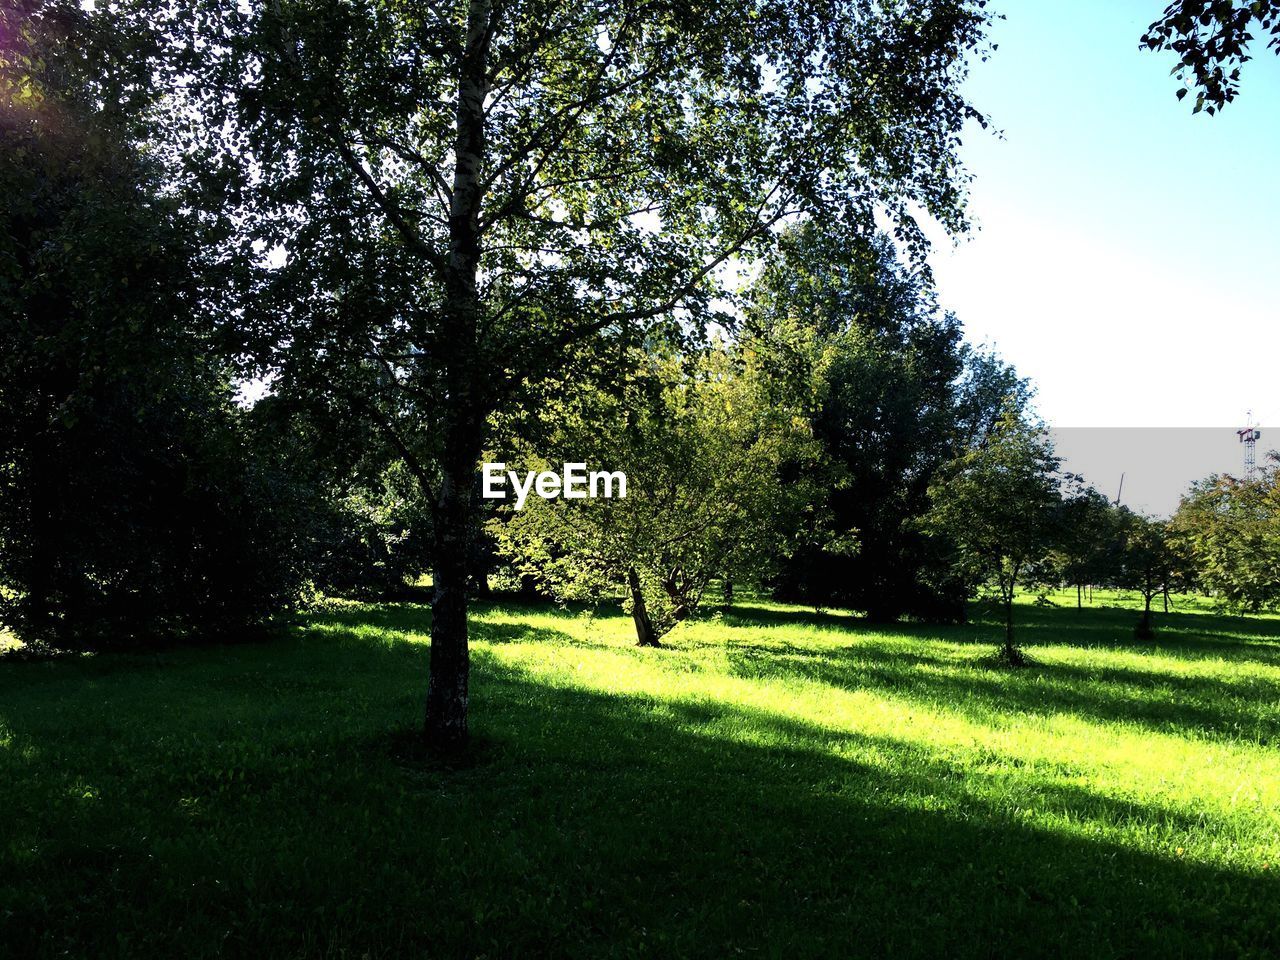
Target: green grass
777,783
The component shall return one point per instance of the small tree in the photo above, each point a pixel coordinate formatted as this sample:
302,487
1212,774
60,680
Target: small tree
706,460
1147,563
1089,541
997,505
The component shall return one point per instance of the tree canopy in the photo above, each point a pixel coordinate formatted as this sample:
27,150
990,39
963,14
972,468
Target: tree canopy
132,505
891,393
713,489
1229,530
459,199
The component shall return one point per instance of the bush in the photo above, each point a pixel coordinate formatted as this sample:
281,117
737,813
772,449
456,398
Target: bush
127,526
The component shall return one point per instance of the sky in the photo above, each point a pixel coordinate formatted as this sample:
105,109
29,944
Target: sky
1127,252
1127,256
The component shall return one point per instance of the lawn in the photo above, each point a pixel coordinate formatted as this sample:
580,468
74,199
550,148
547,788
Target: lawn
776,783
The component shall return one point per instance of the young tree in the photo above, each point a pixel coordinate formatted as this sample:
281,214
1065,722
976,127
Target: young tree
713,490
1089,541
1147,563
466,196
997,505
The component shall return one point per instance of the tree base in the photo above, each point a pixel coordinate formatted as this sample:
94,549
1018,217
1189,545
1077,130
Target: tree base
1012,658
411,746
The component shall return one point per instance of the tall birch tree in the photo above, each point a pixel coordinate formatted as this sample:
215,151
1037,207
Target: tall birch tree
453,200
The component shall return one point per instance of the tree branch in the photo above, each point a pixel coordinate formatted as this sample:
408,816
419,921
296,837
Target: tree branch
389,209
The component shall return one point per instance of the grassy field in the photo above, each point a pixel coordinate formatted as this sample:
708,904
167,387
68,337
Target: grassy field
777,783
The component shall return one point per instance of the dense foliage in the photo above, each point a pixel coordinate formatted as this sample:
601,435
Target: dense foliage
1227,529
891,394
132,505
360,526
715,489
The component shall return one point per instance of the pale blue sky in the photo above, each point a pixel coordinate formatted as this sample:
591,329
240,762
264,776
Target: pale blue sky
1128,253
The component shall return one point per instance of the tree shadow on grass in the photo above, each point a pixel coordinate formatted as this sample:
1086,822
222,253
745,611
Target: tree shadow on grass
751,615
1230,710
1224,635
401,621
1228,707
271,820
1181,634
764,821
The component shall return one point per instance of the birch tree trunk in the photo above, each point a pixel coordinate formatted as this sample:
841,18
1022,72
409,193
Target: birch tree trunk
467,406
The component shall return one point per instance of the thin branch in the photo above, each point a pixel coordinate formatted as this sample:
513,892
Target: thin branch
759,228
389,209
409,155
388,427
